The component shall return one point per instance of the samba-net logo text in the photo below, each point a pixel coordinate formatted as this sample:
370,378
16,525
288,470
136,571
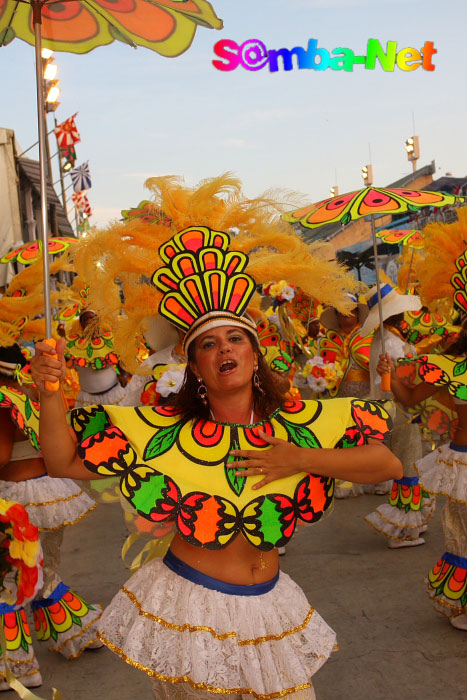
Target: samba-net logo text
253,55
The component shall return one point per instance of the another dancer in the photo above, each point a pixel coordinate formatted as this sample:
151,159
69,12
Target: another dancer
403,519
443,283
63,620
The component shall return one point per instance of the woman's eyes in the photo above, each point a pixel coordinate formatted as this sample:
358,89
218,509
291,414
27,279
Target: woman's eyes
210,343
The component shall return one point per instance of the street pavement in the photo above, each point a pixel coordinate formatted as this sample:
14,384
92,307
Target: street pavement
393,645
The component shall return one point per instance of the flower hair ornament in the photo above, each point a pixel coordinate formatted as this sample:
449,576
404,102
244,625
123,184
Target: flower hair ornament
204,283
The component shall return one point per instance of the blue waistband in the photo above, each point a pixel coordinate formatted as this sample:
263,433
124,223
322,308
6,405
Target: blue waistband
455,560
407,481
185,571
56,595
458,448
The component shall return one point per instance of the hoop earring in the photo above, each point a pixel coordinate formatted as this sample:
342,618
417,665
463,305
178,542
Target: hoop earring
202,392
256,380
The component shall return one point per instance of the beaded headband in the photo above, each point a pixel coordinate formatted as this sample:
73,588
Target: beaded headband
204,283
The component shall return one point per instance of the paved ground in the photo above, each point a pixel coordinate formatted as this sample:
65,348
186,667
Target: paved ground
393,646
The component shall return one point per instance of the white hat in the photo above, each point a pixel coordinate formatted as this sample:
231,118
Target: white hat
392,304
329,318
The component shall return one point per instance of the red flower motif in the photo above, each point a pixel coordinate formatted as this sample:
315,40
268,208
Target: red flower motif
207,433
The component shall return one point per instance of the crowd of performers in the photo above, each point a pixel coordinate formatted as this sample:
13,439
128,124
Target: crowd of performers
212,368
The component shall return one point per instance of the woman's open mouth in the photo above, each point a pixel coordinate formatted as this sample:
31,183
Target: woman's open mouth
227,367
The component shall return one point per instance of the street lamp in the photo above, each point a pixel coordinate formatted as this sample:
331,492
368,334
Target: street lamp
49,74
412,146
367,175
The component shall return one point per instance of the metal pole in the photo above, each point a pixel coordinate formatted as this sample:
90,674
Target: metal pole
409,272
378,284
37,20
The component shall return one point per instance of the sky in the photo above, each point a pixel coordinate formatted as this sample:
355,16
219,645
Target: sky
141,115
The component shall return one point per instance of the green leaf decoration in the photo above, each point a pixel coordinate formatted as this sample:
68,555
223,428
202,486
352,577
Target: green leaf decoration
439,590
162,441
99,364
460,368
461,392
6,36
89,350
53,633
108,342
24,644
28,409
33,437
96,424
464,600
425,494
76,620
236,483
301,436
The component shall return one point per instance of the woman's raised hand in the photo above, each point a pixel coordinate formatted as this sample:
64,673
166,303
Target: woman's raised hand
45,367
282,460
385,365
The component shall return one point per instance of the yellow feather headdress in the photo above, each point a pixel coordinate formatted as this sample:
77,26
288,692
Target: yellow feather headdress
442,272
120,260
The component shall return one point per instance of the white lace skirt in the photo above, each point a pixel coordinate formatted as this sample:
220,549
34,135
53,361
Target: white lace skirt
51,503
444,471
183,634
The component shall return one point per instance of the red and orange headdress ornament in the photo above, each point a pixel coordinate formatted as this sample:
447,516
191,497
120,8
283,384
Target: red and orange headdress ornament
204,283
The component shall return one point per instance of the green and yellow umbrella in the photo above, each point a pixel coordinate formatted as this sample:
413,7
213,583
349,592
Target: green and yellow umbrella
369,201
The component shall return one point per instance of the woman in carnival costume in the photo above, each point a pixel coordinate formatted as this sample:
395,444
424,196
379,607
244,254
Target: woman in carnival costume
343,342
230,464
62,619
443,280
404,518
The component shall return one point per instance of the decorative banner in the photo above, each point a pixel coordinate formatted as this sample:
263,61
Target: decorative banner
67,133
81,177
68,154
82,203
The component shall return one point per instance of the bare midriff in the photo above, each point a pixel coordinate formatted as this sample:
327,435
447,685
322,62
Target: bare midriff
23,469
238,562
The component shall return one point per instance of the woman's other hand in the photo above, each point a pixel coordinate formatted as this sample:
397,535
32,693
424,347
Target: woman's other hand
282,460
47,368
385,365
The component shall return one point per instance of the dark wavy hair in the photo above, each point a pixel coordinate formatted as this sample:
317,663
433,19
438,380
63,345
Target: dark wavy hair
12,354
266,401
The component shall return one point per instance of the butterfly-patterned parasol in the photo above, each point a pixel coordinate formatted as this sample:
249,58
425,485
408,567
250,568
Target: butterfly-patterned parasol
369,201
78,26
30,253
412,238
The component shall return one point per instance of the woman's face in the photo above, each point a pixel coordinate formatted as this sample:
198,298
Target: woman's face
224,359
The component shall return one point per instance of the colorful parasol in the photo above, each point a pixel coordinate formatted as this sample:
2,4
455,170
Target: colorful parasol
78,26
31,252
165,26
368,201
412,238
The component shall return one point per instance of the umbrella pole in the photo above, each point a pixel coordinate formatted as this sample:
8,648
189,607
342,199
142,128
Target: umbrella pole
410,271
37,21
386,378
